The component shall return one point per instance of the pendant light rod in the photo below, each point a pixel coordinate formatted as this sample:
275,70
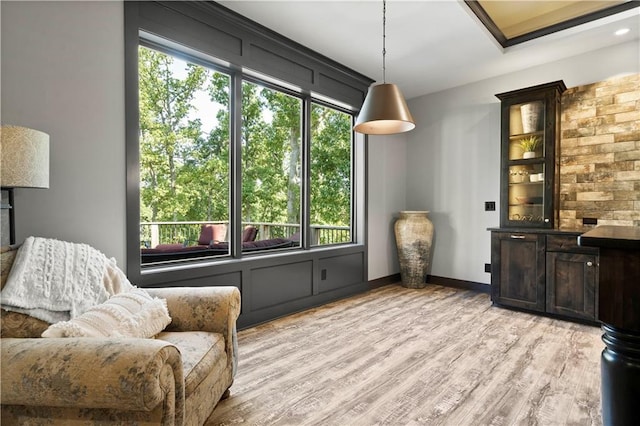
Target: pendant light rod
384,111
384,41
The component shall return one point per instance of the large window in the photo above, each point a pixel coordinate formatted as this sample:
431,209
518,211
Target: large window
184,158
283,157
271,163
331,175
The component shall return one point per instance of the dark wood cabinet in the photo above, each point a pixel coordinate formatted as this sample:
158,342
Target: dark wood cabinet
544,271
533,265
572,278
530,126
518,270
571,285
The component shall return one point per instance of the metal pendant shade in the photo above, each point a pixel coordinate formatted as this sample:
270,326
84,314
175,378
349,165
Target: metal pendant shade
384,110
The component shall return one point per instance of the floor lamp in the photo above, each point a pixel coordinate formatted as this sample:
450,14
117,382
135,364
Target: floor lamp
25,164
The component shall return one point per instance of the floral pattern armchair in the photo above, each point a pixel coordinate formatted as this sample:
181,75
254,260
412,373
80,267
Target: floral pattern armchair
175,379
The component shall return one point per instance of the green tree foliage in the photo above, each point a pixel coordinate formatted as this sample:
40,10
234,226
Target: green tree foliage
167,135
184,170
270,155
330,166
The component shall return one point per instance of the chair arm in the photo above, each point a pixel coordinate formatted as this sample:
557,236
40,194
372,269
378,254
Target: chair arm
213,309
125,374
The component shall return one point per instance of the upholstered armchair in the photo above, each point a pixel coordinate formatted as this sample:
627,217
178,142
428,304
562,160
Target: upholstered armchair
176,378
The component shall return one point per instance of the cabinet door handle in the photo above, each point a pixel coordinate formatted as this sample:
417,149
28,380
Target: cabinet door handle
589,263
518,237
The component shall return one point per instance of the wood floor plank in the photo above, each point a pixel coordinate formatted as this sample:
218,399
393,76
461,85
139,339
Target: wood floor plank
433,356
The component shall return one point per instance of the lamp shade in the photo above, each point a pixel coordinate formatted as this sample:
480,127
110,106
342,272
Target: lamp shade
384,112
25,158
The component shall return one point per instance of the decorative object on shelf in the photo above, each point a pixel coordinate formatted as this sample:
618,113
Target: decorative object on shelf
384,111
532,114
529,200
529,146
25,163
414,236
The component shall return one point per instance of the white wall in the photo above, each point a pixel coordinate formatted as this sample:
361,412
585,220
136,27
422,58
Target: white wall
386,186
453,156
63,74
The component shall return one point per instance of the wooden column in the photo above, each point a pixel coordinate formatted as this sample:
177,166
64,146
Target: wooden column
619,312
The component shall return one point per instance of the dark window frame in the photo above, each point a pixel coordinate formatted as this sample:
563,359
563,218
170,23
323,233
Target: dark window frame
162,20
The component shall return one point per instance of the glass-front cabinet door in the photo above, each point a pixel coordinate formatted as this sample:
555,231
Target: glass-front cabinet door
530,121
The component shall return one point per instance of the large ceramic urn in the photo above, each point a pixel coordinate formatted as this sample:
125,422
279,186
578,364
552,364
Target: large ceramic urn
414,235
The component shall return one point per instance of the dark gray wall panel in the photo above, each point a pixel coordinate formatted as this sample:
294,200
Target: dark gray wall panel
159,20
340,271
248,319
333,87
278,284
289,70
219,32
274,286
233,279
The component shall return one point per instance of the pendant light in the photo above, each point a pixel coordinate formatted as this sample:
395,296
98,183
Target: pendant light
384,111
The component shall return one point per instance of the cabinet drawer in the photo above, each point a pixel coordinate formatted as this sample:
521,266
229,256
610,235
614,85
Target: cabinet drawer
517,236
567,243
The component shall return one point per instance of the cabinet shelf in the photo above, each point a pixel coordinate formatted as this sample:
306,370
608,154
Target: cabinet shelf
526,161
525,183
533,112
523,135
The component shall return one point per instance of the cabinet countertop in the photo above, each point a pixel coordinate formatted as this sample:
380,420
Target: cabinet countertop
571,232
617,237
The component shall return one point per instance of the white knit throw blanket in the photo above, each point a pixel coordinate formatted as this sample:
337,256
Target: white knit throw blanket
56,280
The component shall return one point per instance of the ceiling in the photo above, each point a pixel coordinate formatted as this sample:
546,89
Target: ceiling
431,45
513,22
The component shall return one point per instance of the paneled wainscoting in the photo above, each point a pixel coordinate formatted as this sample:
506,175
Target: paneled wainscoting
434,356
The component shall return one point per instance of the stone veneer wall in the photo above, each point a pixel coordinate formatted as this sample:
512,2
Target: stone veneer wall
600,154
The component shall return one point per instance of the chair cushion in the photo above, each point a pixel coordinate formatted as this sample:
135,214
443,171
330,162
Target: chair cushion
7,256
169,247
249,234
266,244
210,233
131,314
17,325
203,353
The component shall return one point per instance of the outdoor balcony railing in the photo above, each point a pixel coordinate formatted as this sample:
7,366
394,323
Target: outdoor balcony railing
154,233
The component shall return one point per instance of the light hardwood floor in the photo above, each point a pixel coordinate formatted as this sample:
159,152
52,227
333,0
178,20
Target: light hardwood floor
434,356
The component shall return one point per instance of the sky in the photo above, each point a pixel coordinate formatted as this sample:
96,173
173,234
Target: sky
204,109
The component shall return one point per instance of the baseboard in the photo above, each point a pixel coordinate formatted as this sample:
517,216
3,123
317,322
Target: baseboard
465,285
434,279
380,282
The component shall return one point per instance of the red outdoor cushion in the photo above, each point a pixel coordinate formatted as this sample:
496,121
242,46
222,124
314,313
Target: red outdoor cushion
212,233
249,234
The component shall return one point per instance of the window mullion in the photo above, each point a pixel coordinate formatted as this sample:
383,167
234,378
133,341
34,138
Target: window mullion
236,165
306,173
